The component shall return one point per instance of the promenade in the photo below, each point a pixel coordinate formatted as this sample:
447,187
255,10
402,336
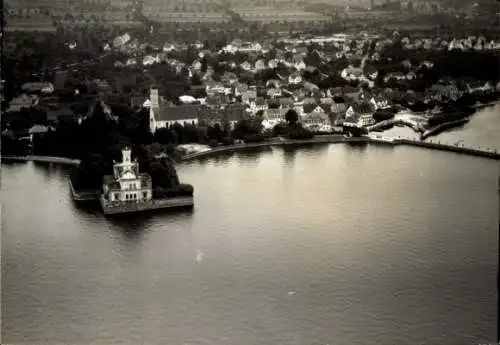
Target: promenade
333,139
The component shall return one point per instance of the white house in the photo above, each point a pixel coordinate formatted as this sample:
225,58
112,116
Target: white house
196,65
246,66
274,116
214,88
149,60
274,93
411,75
317,121
379,103
295,78
273,63
258,104
300,65
260,65
351,73
121,40
23,101
361,113
273,83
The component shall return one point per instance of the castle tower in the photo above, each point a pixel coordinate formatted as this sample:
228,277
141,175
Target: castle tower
126,156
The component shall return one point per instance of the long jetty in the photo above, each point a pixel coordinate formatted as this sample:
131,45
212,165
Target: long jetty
439,128
480,152
332,139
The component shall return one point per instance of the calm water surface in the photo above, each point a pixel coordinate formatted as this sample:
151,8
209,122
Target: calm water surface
330,244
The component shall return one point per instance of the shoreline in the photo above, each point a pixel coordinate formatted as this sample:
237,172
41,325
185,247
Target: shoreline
335,139
42,159
319,139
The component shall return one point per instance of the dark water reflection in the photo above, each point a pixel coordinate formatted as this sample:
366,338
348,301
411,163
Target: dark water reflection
331,244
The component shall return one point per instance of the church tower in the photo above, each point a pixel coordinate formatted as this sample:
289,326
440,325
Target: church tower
154,108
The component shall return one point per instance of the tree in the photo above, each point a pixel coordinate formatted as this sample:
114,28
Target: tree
279,130
164,136
90,172
291,117
215,132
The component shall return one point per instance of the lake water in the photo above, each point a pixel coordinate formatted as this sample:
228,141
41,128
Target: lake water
328,244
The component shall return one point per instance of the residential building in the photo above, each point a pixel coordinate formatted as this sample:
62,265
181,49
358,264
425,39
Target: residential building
360,113
379,102
258,104
246,66
35,87
310,87
317,121
295,78
23,101
338,108
260,65
274,83
274,116
274,93
300,65
273,63
196,65
39,130
248,96
213,88
351,73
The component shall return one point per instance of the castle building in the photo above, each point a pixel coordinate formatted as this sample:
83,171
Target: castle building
127,184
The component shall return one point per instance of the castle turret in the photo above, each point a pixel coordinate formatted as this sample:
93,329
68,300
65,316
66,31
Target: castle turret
126,156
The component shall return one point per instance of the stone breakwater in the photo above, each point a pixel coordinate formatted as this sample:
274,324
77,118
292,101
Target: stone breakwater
332,139
486,153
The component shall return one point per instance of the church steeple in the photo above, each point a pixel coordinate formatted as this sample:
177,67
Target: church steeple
154,98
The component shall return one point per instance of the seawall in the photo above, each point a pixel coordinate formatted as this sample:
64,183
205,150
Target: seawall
45,159
333,139
110,208
320,139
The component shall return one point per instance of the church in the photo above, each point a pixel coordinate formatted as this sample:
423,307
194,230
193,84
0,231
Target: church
163,115
126,185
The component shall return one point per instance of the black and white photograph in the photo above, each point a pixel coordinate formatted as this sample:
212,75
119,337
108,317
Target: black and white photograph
250,172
